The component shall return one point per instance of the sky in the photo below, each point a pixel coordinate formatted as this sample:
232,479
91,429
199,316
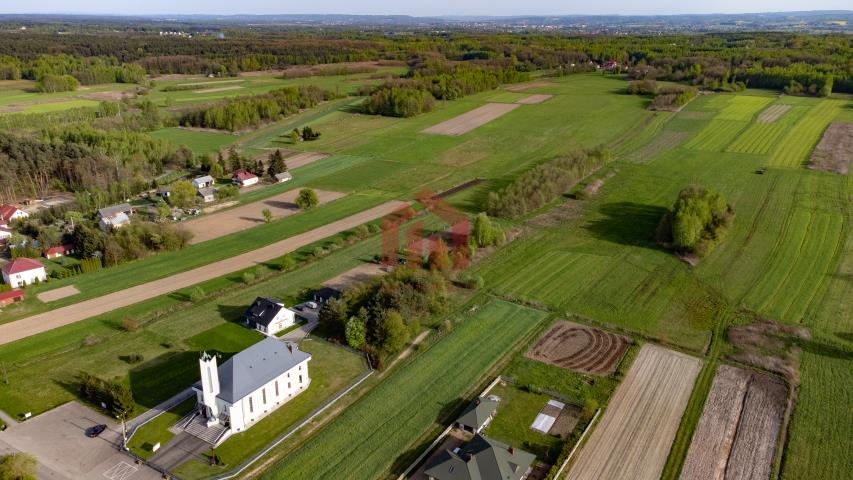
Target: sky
418,7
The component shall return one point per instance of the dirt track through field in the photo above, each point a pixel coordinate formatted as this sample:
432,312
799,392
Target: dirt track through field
521,87
219,89
533,99
246,216
636,432
468,121
12,331
736,436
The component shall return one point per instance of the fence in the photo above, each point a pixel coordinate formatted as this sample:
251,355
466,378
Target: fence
577,445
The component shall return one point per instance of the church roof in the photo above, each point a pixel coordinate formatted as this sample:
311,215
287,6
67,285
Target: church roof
254,367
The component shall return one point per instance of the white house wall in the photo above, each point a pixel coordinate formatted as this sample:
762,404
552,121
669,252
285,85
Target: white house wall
285,318
242,417
25,278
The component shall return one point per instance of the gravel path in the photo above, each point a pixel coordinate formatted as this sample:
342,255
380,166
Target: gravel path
12,331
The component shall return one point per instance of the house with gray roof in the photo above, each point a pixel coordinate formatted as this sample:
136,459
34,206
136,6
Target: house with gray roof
115,216
481,459
250,385
269,316
477,415
203,182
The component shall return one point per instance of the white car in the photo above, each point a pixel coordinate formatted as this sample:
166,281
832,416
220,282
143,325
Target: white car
311,305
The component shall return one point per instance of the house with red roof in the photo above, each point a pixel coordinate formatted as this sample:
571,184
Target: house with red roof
10,297
23,271
10,213
244,178
58,251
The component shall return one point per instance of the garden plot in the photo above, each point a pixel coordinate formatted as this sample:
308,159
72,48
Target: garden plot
521,87
302,159
533,99
250,215
468,121
57,293
736,436
583,349
634,437
835,150
556,418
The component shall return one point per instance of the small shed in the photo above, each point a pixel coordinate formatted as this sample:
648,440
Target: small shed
477,415
283,177
207,194
10,297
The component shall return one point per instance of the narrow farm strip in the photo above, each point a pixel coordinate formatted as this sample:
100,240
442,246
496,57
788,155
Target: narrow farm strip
468,121
367,437
17,330
637,429
794,149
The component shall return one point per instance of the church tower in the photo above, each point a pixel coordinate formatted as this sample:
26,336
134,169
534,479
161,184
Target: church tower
209,385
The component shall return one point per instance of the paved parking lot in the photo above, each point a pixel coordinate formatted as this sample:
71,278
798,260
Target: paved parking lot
58,440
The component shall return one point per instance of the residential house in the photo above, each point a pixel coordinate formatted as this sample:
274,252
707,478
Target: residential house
58,251
23,271
477,415
243,178
250,385
269,316
10,297
115,217
203,182
481,459
283,177
164,192
327,293
10,213
207,194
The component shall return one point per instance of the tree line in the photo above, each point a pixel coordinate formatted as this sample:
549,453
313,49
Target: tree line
243,112
544,183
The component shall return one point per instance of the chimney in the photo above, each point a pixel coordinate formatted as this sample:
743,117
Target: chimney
290,347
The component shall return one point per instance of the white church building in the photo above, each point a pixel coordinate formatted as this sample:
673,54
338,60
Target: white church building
247,387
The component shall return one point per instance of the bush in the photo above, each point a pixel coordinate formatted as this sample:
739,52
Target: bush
643,87
287,263
197,294
696,222
133,358
117,398
129,323
248,277
307,199
57,83
18,466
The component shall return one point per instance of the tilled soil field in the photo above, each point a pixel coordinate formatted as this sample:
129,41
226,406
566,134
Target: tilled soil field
634,437
772,113
468,121
736,436
580,348
835,149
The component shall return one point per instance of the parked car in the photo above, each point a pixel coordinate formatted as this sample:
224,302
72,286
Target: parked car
311,305
93,432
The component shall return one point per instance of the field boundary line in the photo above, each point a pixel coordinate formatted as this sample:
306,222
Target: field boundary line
577,445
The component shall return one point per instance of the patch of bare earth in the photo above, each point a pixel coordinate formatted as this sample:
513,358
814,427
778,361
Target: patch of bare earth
633,439
533,99
218,89
772,113
302,159
835,150
737,434
468,121
212,226
521,87
58,293
770,346
112,96
358,275
579,348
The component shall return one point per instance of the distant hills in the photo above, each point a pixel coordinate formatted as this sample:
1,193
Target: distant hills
806,21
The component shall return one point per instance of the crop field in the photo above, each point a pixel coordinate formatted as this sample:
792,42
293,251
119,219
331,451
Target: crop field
761,137
470,120
738,431
772,113
717,135
364,441
794,149
200,142
580,348
634,436
742,108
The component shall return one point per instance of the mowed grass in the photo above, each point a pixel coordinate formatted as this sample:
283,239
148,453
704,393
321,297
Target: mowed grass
332,368
157,430
761,138
198,141
366,439
742,108
169,342
794,149
717,135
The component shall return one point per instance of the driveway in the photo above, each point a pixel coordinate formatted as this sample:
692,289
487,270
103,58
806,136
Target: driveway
58,440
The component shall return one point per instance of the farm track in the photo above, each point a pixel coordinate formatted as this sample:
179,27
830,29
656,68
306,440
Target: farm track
633,439
12,331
